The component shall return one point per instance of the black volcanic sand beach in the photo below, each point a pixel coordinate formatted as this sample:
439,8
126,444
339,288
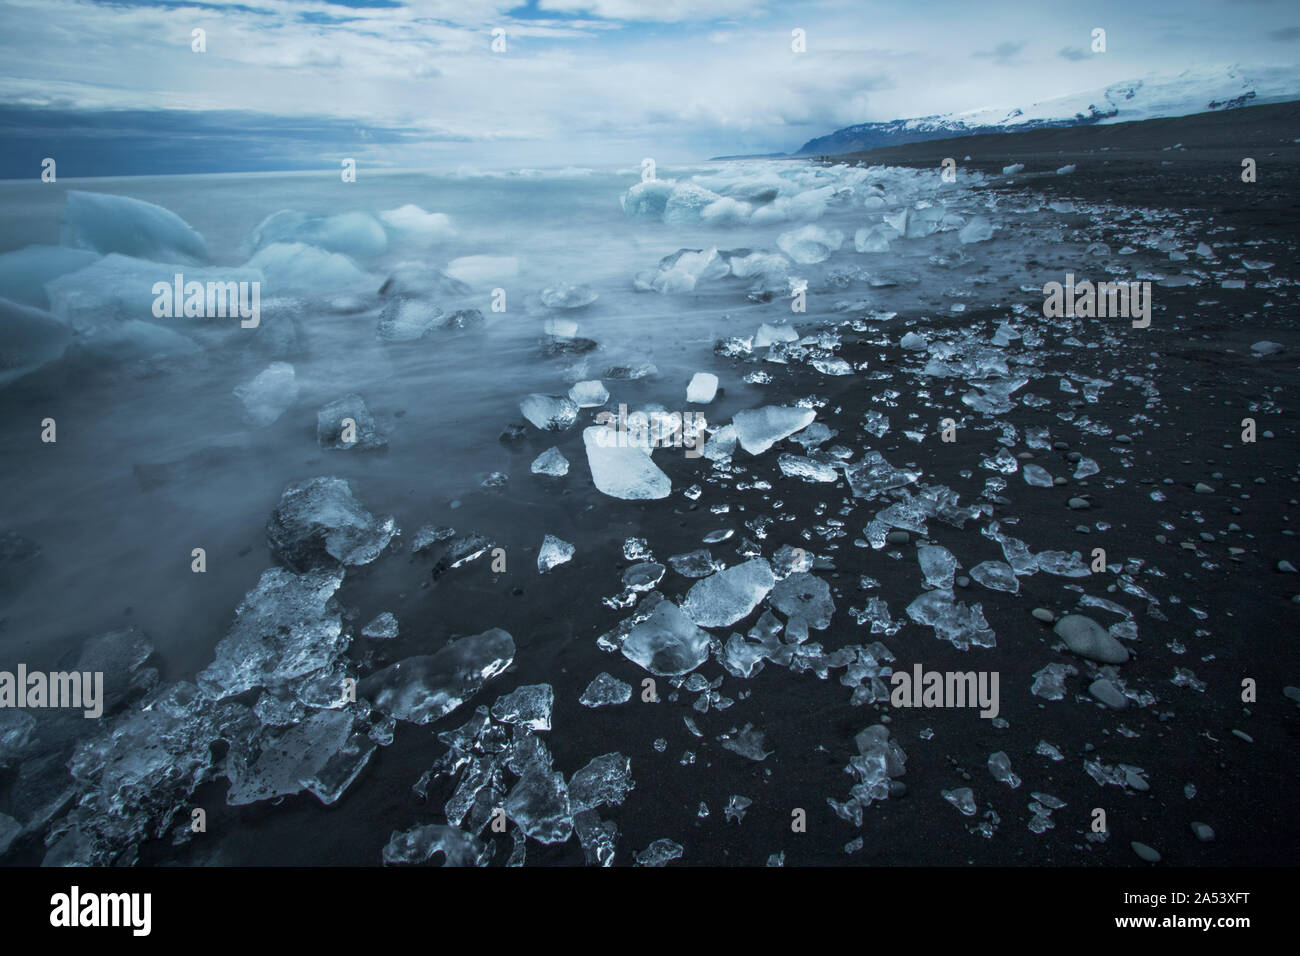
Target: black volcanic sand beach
1176,391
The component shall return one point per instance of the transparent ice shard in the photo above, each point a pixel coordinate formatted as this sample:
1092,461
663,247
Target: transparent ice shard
553,553
727,596
319,523
425,688
606,690
420,844
528,706
551,413
758,429
667,642
806,596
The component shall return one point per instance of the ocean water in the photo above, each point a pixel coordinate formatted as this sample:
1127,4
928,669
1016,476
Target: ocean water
116,545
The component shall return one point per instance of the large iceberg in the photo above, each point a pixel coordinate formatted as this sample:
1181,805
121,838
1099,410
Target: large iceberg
132,227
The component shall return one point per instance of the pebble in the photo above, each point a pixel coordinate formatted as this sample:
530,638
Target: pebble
1204,832
1108,694
1044,615
1286,566
963,581
1123,439
1203,489
1145,852
1089,639
1244,736
1079,504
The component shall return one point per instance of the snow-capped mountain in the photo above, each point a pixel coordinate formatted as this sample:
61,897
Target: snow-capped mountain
1192,91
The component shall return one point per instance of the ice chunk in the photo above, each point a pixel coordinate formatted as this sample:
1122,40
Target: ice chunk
351,233
426,688
622,469
874,239
606,690
119,288
346,423
418,845
552,553
269,395
810,244
539,803
528,706
416,279
568,297
24,272
293,267
688,203
771,334
1066,565
725,212
551,462
414,226
322,754
382,628
978,229
132,227
286,629
806,596
604,781
660,853
406,320
996,576
551,413
938,565
667,643
727,596
479,271
647,199
873,476
758,429
952,621
702,388
29,339
589,394
319,522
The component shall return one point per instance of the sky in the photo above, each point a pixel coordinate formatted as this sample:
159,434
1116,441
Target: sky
116,88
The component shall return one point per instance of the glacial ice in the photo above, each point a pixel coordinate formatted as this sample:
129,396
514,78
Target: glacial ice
568,296
420,844
295,268
132,227
550,413
667,643
553,553
407,320
29,339
606,690
269,395
363,432
810,244
24,272
979,229
411,225
322,754
702,388
350,233
287,630
938,565
604,781
758,429
589,394
622,471
528,706
727,596
425,688
952,621
550,462
996,576
319,523
805,596
481,271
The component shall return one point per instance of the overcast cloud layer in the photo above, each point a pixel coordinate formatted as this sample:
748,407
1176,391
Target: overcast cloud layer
287,84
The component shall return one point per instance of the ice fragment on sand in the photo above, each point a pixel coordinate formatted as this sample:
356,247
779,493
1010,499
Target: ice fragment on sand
552,413
552,553
758,429
269,395
806,596
727,596
589,394
604,781
528,706
621,469
424,688
551,462
606,690
702,388
667,643
952,620
420,844
319,523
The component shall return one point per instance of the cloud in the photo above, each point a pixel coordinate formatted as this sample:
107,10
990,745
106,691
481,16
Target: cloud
1072,53
1004,52
1286,34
